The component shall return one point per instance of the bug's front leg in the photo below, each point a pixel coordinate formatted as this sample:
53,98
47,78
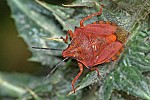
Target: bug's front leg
76,78
69,33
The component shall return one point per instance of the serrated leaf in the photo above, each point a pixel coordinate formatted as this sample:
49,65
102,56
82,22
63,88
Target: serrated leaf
33,23
128,79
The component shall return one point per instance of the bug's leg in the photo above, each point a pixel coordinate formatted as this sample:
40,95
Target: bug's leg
88,17
69,33
96,69
76,78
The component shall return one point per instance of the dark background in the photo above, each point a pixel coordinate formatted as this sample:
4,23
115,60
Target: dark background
13,50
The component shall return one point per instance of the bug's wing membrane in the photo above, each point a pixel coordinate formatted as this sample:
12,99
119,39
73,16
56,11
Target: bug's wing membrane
101,29
108,52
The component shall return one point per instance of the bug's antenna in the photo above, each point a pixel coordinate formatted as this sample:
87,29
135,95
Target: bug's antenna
55,68
47,48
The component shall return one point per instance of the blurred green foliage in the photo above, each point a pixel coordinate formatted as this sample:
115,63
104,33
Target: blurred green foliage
36,20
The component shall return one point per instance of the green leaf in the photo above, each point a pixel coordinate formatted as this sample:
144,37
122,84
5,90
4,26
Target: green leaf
81,3
128,79
68,17
15,85
25,86
33,23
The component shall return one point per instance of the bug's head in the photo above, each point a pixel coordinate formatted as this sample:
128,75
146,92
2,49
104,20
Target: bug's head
69,52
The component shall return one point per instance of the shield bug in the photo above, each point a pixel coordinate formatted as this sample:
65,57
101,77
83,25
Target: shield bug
94,44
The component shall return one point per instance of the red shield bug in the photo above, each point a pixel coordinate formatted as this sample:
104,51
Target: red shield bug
94,44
